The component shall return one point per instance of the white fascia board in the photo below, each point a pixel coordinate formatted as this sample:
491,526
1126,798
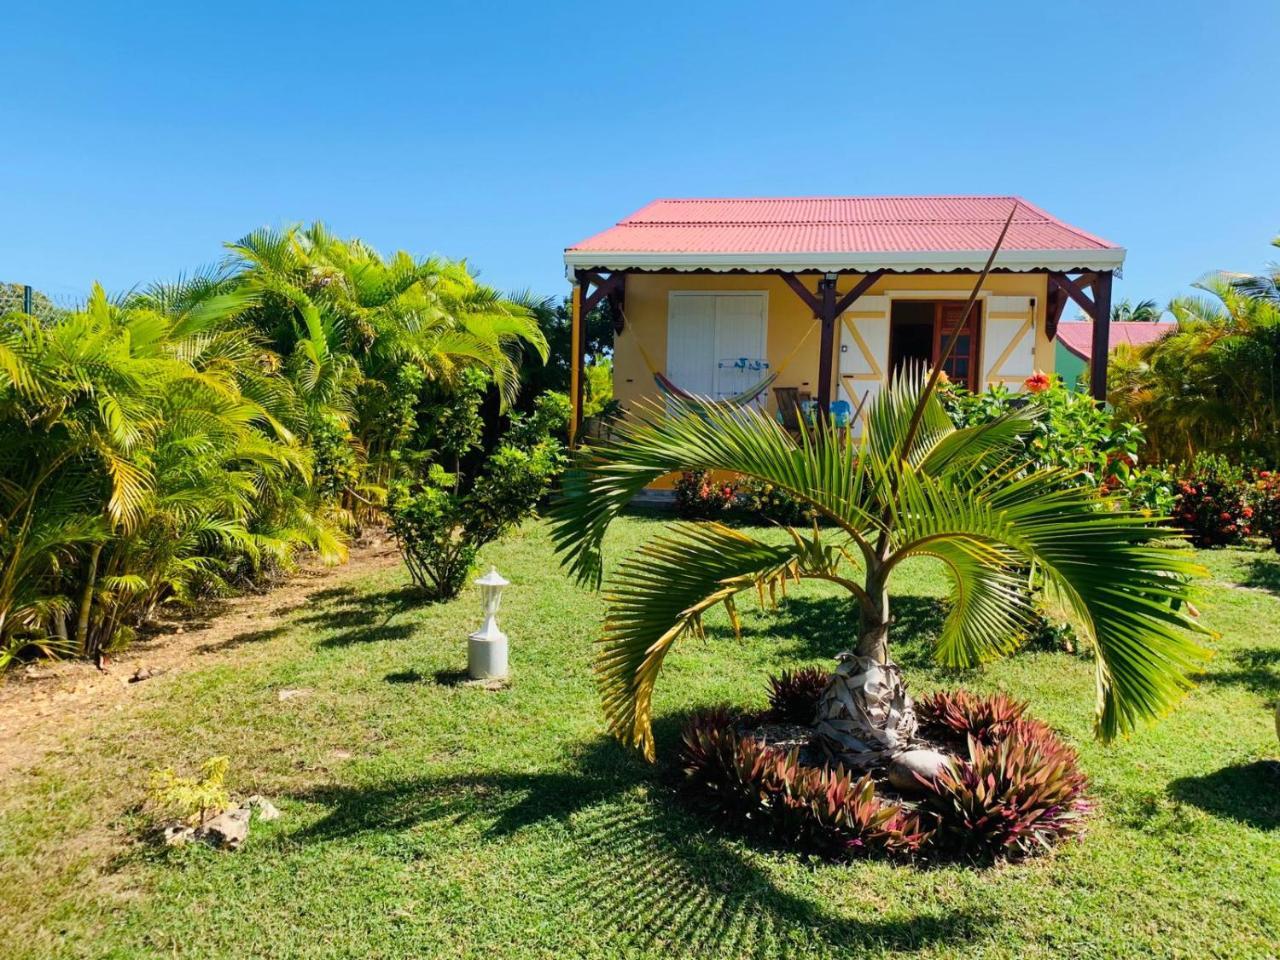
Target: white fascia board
1107,258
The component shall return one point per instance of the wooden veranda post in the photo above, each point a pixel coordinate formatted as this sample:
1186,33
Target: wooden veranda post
1097,307
827,350
1101,336
575,364
828,309
589,289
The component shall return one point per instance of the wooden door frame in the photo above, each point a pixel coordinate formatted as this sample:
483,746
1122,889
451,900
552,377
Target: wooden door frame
975,321
975,337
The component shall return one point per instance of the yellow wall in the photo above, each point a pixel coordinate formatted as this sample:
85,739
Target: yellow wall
788,320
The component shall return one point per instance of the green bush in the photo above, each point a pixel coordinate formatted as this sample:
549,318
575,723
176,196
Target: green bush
758,499
1075,433
441,519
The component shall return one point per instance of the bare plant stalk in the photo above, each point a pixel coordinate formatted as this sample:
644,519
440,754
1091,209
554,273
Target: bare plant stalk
918,414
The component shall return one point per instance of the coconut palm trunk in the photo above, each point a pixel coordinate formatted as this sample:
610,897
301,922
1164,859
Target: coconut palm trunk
913,485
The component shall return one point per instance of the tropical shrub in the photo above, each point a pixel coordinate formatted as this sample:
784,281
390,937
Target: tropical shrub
1264,501
1013,797
701,497
1210,503
1071,432
1152,490
441,519
195,438
958,716
1211,385
1013,789
761,500
819,810
147,449
794,695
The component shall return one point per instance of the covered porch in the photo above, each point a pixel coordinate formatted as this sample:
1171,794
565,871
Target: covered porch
771,302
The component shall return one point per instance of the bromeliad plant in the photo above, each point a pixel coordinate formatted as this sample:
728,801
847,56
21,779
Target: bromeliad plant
914,485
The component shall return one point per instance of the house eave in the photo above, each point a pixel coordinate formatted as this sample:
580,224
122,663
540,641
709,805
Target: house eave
938,261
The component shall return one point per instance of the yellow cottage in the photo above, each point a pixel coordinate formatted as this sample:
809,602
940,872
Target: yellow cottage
789,302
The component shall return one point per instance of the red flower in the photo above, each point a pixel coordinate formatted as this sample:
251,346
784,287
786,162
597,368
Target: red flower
1038,382
1248,512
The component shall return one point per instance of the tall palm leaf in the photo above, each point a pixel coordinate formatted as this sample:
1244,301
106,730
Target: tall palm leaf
960,496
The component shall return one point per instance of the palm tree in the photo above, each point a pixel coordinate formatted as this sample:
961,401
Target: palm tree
914,485
1144,311
1212,384
1264,286
347,320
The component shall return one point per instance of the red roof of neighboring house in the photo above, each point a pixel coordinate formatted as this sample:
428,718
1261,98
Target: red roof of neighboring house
1077,335
840,233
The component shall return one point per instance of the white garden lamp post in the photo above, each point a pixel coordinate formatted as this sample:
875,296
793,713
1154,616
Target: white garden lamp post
487,647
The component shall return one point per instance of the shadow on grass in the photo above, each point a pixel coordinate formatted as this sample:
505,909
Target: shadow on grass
821,627
243,639
1257,669
405,676
1247,792
1264,574
645,873
360,617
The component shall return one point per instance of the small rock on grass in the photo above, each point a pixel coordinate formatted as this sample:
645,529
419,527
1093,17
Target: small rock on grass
176,833
227,830
266,809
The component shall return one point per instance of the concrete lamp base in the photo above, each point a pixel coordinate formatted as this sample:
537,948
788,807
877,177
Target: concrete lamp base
487,655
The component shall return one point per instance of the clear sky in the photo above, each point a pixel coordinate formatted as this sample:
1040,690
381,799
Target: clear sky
141,136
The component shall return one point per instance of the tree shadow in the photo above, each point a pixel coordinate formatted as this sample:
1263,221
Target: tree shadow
405,676
367,615
243,639
820,627
1257,669
1264,574
1247,792
374,633
646,873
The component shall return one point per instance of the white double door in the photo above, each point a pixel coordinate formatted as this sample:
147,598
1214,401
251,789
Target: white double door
716,342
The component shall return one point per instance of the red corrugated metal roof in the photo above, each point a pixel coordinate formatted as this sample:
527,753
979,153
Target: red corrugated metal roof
832,225
1077,336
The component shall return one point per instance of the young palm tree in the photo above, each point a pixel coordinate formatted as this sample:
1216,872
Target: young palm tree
1144,311
914,485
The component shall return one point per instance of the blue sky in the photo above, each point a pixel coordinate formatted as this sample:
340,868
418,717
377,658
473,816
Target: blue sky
141,136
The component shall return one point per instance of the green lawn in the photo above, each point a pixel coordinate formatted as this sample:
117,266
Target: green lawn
423,817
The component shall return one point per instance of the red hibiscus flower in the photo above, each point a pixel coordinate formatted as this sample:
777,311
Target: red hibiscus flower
1038,382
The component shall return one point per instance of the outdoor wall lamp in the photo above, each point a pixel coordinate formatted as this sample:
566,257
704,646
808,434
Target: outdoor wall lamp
487,647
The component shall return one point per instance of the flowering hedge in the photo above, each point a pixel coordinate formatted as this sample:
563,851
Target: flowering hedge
1264,500
1211,503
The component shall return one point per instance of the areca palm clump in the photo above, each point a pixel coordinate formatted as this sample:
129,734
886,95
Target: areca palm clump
913,485
361,335
135,461
1211,386
192,436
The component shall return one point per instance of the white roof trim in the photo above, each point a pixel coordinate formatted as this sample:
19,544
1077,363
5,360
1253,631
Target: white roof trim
1097,258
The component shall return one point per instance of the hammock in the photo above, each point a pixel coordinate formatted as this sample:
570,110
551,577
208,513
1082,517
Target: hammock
741,398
